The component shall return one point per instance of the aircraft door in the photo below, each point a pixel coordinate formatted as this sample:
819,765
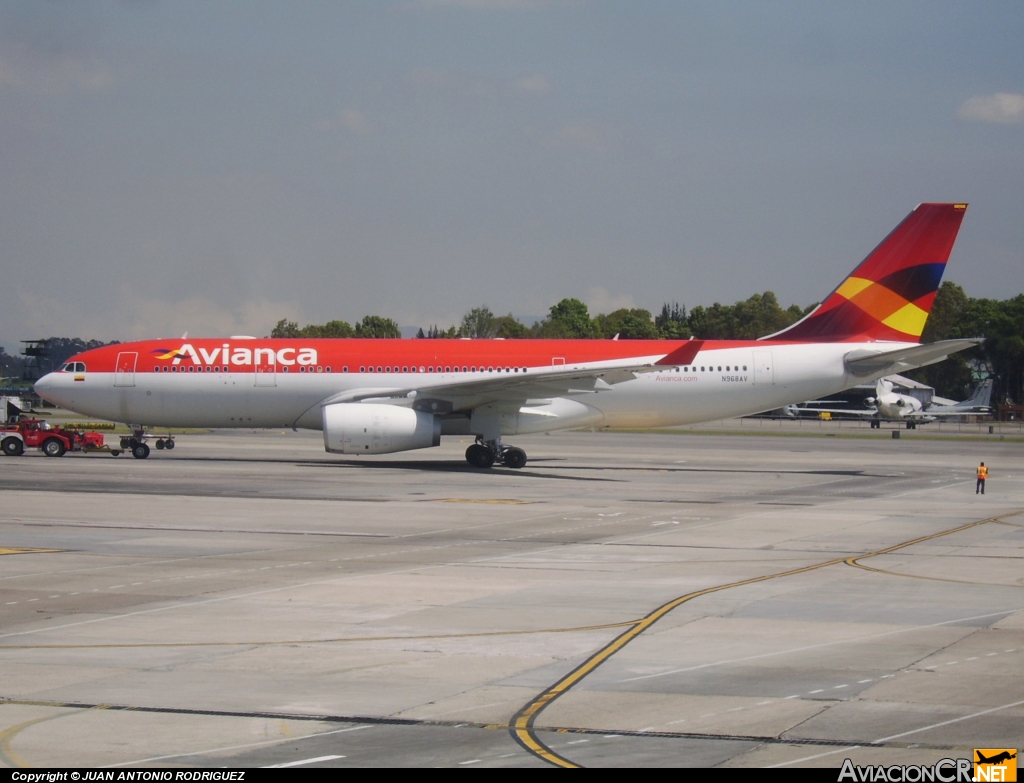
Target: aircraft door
266,374
764,368
124,369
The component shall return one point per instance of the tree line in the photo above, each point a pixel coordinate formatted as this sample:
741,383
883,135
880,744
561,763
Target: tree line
757,316
954,315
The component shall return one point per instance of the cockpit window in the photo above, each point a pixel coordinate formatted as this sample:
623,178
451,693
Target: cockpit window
73,367
79,366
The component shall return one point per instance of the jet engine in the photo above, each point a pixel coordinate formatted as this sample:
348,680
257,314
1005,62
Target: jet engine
357,428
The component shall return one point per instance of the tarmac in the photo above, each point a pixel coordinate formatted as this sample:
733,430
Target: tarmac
712,598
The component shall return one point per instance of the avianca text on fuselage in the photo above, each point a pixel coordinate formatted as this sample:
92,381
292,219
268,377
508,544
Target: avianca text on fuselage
239,356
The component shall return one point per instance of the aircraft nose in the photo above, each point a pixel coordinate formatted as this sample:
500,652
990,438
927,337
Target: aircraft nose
48,387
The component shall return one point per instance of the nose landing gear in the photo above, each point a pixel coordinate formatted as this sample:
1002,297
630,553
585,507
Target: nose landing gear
136,443
483,454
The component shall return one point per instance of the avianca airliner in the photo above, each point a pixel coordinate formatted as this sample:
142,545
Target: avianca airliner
383,396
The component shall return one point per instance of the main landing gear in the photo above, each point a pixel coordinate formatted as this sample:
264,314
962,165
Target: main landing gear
484,454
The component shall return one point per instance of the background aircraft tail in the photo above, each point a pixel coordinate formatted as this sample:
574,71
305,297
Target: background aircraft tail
980,399
889,296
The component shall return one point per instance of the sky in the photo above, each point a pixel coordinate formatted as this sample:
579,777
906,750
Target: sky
214,167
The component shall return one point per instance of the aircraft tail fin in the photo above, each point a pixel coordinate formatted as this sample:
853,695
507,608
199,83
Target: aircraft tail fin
889,296
980,398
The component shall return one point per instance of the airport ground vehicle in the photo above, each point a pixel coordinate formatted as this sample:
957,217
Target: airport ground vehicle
15,437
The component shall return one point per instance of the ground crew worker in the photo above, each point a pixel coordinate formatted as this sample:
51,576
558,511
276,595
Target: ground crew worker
982,475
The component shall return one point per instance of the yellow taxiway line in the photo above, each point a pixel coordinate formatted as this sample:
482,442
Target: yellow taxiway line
522,724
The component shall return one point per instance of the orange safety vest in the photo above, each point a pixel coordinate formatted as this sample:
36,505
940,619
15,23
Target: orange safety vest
982,472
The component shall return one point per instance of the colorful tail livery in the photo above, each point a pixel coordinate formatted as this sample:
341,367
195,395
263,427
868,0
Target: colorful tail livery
889,296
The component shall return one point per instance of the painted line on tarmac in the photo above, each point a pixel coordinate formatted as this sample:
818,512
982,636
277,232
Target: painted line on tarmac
338,640
369,722
891,737
239,747
522,724
804,648
301,585
303,762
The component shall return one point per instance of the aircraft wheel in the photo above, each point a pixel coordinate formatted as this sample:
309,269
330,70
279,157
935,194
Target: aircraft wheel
169,444
13,447
126,443
514,458
479,456
159,444
140,451
53,448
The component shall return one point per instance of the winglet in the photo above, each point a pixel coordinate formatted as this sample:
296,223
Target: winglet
889,296
684,354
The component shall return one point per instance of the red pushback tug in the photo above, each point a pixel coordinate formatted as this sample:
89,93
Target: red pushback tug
16,436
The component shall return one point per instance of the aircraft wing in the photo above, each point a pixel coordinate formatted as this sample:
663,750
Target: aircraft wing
865,412
867,362
537,382
511,390
980,411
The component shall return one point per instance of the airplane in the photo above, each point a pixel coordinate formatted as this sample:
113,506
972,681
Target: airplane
380,396
889,405
1004,756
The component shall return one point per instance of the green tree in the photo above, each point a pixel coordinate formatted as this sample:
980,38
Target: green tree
478,322
286,328
758,316
437,333
628,324
672,324
507,327
376,326
567,319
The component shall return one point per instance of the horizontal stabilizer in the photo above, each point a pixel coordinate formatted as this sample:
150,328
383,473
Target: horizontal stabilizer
867,362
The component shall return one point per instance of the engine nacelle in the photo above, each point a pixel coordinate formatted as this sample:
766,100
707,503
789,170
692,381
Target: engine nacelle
357,428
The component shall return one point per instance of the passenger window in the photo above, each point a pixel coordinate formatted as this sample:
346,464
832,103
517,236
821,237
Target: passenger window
447,369
405,369
744,368
362,369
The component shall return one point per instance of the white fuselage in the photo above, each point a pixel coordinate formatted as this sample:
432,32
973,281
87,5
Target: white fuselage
776,375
